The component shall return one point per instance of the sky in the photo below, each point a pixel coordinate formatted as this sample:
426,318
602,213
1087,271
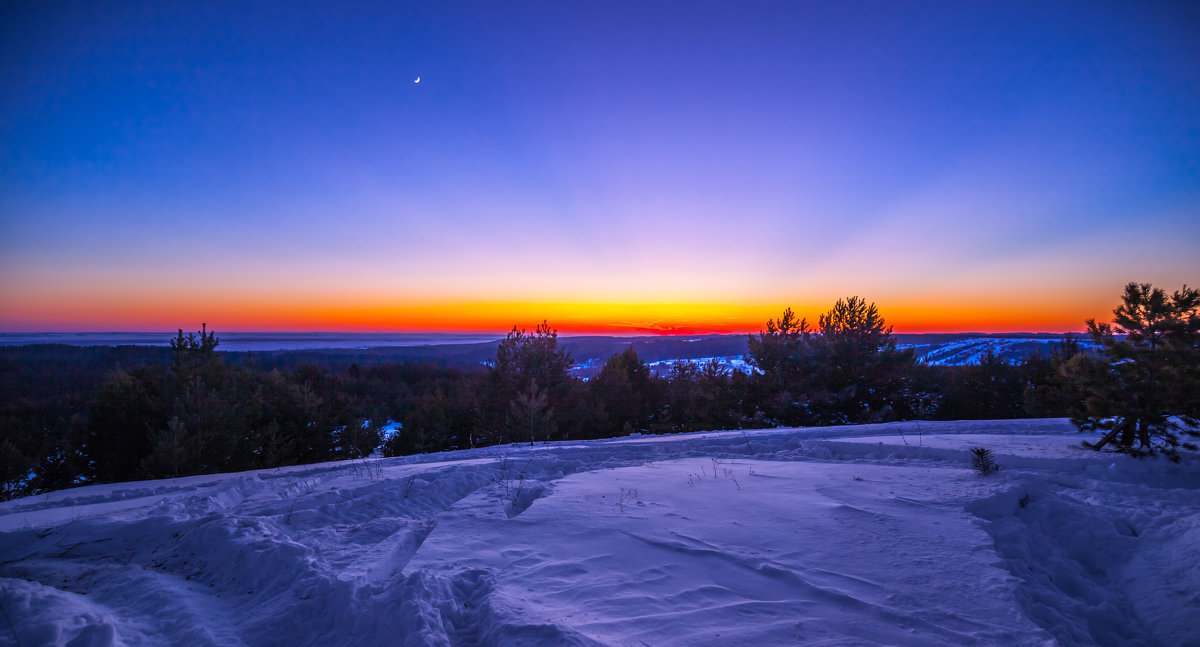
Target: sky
611,167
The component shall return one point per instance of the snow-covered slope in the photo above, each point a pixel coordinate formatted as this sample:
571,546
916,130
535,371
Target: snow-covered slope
972,350
845,535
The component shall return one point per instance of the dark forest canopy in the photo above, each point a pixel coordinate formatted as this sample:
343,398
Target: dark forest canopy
74,415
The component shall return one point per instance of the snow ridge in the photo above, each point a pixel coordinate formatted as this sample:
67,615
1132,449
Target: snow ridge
849,535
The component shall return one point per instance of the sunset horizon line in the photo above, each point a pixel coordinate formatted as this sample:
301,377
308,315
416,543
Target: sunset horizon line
616,331
568,318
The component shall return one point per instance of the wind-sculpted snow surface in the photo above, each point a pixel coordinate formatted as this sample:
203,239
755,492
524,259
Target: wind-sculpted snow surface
845,535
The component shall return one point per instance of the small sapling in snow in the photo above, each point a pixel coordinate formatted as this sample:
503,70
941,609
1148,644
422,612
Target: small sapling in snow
729,475
626,497
983,461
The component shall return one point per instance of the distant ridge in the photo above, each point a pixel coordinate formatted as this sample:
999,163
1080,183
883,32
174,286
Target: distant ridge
254,341
338,351
264,341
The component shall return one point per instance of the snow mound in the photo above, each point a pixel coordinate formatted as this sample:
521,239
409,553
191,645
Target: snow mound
874,534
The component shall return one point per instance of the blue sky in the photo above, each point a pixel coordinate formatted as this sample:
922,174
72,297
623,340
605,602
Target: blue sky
276,167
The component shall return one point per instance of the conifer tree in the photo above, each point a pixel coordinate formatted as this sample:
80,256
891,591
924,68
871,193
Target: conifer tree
848,371
624,392
863,373
526,363
983,461
1143,389
778,351
532,414
1049,392
523,358
788,356
194,357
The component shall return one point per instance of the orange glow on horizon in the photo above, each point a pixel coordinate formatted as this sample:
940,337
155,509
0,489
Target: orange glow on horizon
280,315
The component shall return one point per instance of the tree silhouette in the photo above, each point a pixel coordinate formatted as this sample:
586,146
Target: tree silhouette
532,414
1144,388
525,364
848,371
625,392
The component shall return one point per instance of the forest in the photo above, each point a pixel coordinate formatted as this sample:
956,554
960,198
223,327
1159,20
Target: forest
68,418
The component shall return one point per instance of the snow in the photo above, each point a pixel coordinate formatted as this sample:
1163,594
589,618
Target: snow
663,367
729,363
876,534
973,350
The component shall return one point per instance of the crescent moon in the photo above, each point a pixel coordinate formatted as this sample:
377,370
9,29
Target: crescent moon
418,80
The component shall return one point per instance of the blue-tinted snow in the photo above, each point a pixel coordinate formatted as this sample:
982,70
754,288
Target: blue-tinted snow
875,534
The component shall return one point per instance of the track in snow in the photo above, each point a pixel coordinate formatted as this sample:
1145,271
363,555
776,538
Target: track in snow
849,534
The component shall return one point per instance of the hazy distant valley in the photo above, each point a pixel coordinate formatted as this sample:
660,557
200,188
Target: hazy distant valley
340,350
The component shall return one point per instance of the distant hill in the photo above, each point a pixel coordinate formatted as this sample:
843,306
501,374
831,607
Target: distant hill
282,351
970,348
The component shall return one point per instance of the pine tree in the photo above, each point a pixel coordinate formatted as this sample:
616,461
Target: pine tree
532,414
1144,388
787,356
624,392
982,460
526,363
848,371
522,358
779,351
863,373
15,467
194,357
1049,392
173,450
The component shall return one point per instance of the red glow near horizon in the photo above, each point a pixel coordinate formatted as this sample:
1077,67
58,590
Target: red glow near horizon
148,310
503,319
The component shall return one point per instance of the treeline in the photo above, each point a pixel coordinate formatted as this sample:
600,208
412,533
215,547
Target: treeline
190,411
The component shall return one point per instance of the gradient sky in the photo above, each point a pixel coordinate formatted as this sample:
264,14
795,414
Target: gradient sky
609,166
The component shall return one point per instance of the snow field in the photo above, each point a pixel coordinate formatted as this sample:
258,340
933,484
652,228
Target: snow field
875,534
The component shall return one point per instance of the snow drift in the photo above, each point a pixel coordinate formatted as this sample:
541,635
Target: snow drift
842,535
